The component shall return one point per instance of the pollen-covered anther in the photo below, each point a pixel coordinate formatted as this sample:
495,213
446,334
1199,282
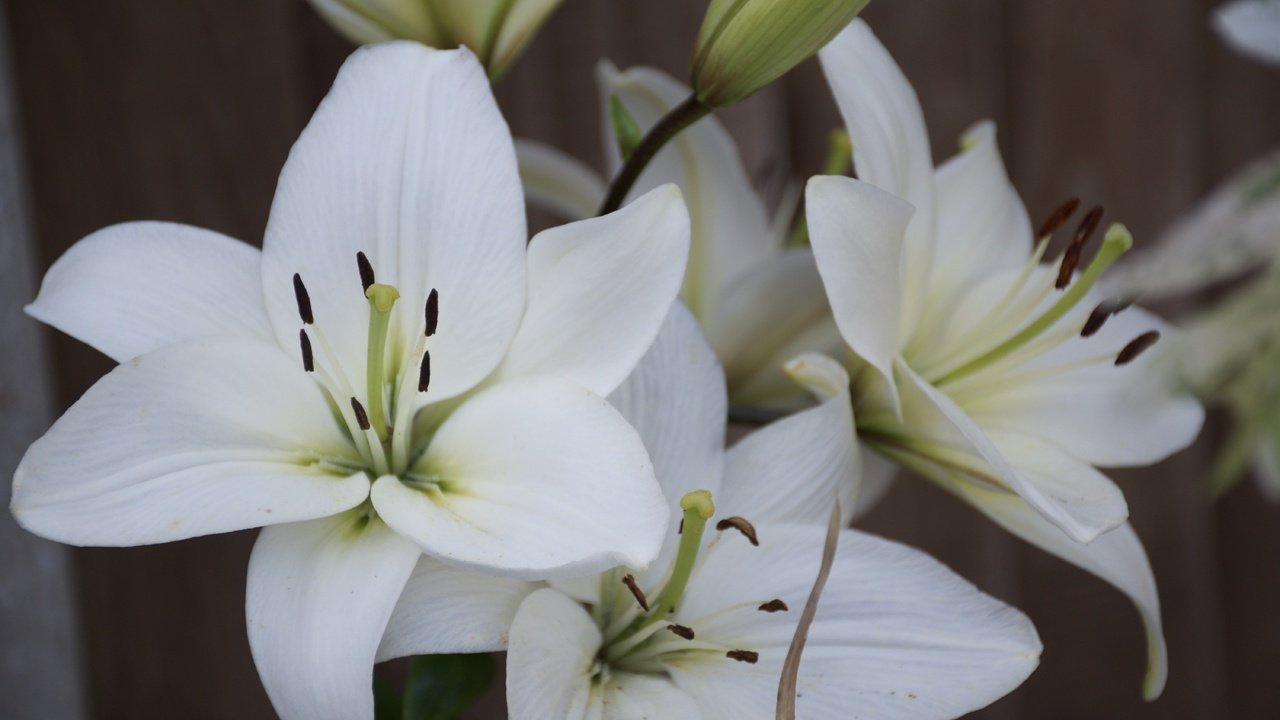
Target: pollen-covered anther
1058,217
304,300
308,357
742,526
630,581
432,313
681,630
1071,257
750,657
362,417
424,372
773,606
1102,313
1137,346
366,271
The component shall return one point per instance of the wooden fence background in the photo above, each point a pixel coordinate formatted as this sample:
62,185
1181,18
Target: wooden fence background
184,111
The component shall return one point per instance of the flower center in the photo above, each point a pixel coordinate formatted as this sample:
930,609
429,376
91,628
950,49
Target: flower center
378,421
639,630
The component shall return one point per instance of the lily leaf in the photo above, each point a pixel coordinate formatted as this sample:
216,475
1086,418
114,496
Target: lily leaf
440,687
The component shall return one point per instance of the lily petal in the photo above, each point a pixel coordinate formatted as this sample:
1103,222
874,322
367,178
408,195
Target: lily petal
890,144
193,439
409,161
793,469
532,480
897,634
599,290
1116,556
550,659
445,609
628,696
730,227
857,234
1083,512
555,181
319,595
129,289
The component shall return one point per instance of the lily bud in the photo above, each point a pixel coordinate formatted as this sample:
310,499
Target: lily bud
495,30
746,44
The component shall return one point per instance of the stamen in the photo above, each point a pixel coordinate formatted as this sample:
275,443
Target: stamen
424,372
304,300
308,358
774,606
366,271
1058,217
1137,346
682,631
630,581
742,526
362,418
1071,257
747,656
432,312
1102,313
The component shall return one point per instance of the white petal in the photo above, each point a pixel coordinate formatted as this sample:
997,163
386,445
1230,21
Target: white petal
537,478
730,228
444,609
1102,414
857,235
890,144
897,634
192,439
408,160
1252,28
982,224
628,696
878,474
129,289
1116,556
599,290
793,469
1083,515
319,595
551,658
558,182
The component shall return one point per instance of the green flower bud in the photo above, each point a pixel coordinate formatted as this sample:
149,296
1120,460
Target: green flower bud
495,30
746,44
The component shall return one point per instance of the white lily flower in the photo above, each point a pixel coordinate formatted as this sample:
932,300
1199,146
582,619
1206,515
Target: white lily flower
395,373
979,367
1251,27
896,635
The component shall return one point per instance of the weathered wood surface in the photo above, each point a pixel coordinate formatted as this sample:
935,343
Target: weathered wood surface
184,111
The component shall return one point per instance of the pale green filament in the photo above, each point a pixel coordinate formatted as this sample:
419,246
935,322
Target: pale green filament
382,298
1116,243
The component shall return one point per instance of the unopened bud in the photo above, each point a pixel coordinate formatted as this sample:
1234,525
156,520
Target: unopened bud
746,44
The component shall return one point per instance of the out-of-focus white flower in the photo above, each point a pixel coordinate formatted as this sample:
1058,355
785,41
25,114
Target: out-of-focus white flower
395,373
1251,27
495,30
976,365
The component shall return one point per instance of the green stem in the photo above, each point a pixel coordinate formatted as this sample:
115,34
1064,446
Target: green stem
680,117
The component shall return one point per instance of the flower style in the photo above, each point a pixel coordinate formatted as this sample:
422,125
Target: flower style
1002,379
703,632
395,373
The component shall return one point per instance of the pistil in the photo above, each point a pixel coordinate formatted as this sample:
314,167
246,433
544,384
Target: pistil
382,298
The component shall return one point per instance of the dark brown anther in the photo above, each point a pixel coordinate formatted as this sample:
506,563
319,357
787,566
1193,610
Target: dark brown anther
304,300
366,271
742,526
1100,314
1071,257
1058,217
1137,346
680,530
308,359
682,631
362,418
432,312
630,581
746,656
424,372
774,606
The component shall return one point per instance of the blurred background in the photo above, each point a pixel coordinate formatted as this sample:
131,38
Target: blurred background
184,111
